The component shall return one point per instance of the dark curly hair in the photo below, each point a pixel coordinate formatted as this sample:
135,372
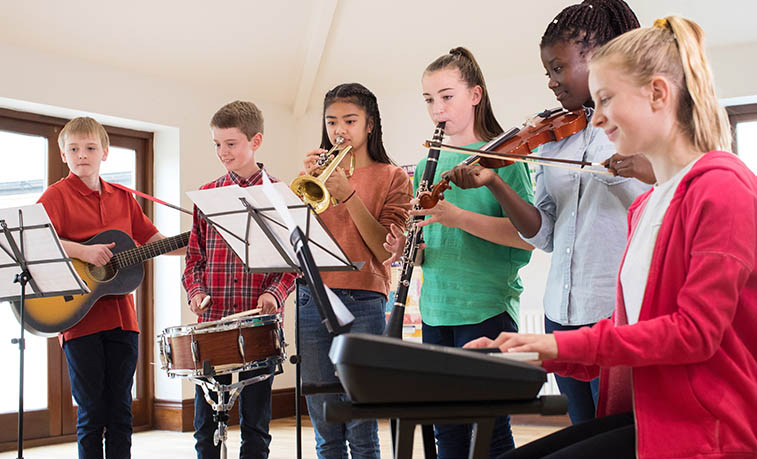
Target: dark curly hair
356,93
591,23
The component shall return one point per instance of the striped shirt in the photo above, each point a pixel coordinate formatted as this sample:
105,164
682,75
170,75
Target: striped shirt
213,268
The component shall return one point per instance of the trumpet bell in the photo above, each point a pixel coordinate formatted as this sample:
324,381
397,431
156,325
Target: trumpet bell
312,192
312,189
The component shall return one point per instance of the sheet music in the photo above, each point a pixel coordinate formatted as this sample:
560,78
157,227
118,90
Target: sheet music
343,315
39,244
263,255
278,202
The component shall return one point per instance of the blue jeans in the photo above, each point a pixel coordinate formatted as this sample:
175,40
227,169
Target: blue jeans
330,438
101,368
453,440
582,395
254,416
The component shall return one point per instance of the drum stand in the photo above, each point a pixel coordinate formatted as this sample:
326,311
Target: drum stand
226,396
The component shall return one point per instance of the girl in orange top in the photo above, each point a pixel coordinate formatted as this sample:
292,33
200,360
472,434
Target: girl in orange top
371,199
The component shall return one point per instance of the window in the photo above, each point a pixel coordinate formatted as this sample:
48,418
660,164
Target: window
21,184
744,122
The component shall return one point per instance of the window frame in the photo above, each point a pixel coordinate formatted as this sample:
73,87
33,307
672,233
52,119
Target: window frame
739,114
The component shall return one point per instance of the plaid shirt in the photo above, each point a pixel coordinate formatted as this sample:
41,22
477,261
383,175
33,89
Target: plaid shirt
214,269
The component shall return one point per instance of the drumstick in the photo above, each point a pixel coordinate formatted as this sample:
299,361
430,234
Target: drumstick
242,314
205,302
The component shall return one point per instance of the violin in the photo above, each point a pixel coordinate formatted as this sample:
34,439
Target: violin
516,145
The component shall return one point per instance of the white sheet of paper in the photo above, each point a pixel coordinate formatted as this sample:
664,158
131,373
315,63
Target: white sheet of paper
262,253
343,315
278,202
39,244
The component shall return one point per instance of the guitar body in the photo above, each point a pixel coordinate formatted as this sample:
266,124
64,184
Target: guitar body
50,316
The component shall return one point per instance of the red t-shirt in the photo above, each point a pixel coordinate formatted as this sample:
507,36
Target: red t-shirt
79,213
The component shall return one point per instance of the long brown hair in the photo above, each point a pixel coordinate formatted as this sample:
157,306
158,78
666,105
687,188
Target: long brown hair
485,125
674,47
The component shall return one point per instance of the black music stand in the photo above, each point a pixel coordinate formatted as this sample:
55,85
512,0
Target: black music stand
267,219
33,248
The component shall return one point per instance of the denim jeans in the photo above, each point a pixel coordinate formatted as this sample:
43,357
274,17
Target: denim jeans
101,368
331,439
582,395
453,440
254,404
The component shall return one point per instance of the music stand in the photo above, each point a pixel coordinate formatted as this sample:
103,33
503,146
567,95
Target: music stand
33,247
262,225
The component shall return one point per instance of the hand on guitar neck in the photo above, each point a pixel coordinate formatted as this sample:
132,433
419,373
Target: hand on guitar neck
100,254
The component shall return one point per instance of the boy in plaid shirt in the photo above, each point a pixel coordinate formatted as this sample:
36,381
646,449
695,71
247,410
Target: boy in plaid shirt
212,269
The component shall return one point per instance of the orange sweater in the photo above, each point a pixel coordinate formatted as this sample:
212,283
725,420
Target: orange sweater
386,192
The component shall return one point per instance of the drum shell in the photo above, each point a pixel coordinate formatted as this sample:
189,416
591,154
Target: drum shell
220,345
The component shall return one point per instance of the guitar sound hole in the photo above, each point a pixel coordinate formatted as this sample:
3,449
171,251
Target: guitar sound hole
102,273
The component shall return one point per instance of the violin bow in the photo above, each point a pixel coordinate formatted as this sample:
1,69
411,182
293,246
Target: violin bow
552,162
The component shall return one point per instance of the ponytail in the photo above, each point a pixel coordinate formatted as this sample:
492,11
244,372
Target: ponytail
708,119
485,125
674,47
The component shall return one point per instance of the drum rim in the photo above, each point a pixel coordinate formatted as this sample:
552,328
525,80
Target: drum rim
218,326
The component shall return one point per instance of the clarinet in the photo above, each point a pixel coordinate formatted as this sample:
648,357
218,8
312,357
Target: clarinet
414,238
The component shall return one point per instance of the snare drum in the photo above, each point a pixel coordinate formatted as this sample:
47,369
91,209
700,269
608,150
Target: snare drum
222,346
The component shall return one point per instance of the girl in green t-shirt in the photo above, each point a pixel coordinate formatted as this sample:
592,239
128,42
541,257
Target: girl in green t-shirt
472,257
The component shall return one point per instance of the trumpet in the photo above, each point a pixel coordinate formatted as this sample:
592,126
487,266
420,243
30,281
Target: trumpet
312,188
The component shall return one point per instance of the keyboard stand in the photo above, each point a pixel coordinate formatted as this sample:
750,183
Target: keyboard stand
408,415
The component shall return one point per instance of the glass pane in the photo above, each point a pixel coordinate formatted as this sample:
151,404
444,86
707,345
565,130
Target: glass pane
35,365
22,183
746,133
120,167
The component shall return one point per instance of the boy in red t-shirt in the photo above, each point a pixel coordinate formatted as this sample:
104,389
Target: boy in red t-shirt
101,349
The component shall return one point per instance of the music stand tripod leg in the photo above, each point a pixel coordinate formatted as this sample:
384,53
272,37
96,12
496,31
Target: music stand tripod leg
22,279
297,360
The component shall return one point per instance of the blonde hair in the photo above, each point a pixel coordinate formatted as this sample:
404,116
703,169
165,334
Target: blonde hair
239,114
83,125
674,47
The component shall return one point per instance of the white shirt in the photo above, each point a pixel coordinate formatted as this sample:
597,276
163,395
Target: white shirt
635,269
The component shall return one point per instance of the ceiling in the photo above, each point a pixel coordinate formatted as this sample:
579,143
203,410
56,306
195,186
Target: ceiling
291,51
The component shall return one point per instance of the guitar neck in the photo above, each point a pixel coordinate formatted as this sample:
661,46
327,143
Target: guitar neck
141,254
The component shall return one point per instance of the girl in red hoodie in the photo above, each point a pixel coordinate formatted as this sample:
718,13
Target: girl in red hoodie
678,359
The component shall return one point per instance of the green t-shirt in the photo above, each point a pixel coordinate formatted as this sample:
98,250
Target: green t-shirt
466,279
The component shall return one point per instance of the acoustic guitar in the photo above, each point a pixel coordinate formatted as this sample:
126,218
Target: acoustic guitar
120,276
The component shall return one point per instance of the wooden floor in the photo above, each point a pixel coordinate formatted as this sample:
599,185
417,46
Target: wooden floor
170,445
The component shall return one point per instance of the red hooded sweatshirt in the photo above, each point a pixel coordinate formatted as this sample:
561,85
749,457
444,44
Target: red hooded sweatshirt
693,353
